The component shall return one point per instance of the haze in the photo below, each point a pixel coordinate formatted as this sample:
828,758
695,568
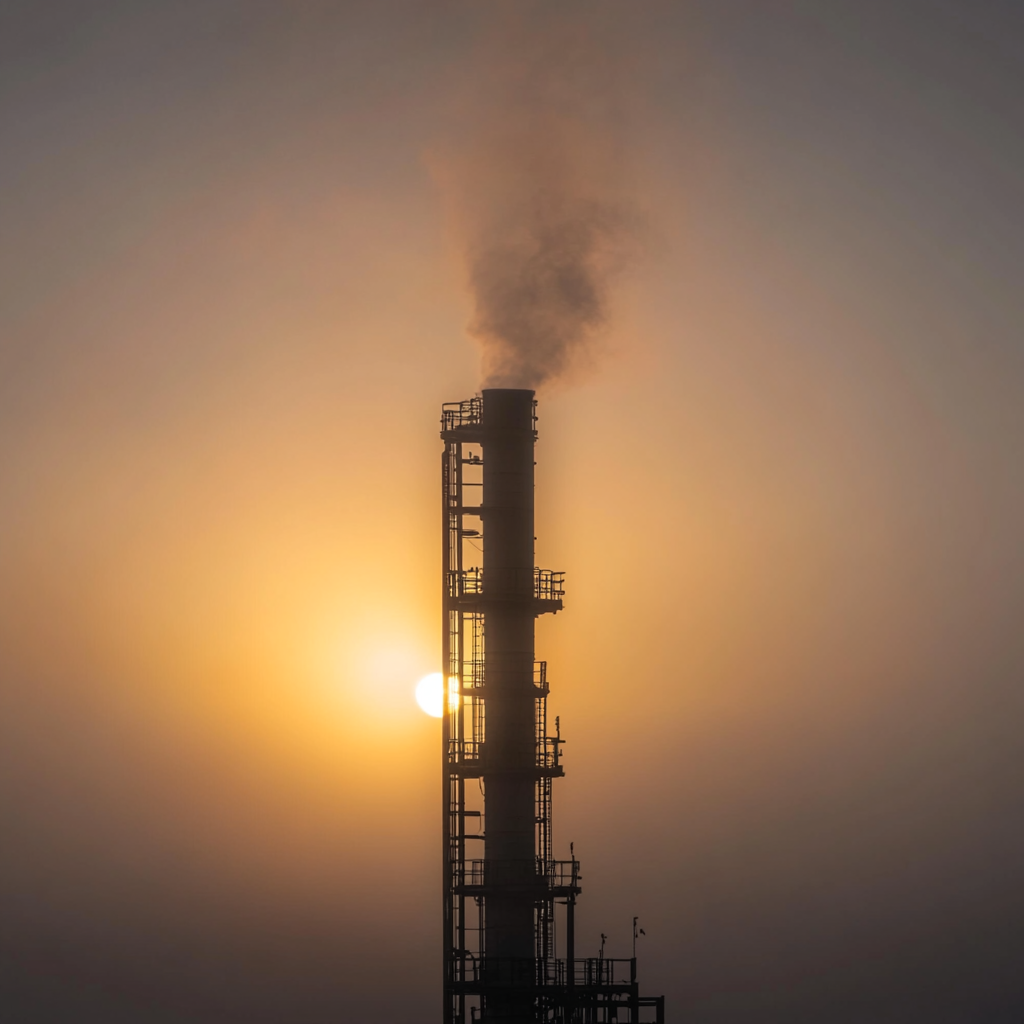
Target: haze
783,475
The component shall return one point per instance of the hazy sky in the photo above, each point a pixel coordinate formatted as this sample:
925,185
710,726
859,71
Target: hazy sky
786,485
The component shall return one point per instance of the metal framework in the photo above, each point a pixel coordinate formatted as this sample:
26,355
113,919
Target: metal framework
502,885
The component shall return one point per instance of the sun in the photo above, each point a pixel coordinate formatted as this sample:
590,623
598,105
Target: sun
430,694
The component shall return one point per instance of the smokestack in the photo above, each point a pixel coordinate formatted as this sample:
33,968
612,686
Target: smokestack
509,862
501,883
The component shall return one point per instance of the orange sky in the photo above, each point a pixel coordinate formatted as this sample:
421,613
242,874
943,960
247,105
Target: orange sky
786,492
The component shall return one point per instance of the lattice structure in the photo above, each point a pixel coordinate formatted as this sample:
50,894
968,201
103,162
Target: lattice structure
502,884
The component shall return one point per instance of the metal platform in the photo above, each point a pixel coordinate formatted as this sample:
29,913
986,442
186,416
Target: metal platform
502,883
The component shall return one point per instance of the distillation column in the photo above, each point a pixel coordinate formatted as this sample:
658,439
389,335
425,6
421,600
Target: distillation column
501,965
509,763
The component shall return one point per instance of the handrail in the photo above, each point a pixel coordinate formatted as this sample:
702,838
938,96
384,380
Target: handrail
548,754
553,874
589,972
461,414
548,584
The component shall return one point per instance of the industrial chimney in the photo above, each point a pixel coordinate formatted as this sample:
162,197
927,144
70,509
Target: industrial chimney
501,883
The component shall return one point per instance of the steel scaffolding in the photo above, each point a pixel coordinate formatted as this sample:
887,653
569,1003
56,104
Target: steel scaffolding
501,949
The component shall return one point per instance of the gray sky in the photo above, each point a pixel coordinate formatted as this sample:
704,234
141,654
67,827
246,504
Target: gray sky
785,482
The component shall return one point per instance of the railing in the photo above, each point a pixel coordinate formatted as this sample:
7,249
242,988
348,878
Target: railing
467,583
548,751
461,751
553,874
561,873
472,676
548,585
461,414
543,972
469,872
469,413
600,971
472,752
472,582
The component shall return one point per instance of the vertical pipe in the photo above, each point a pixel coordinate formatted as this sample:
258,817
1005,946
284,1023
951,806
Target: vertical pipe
446,795
570,942
509,773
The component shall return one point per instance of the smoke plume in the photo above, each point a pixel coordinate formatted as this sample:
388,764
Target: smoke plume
546,218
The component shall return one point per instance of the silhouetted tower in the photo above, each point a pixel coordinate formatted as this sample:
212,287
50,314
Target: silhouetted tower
501,883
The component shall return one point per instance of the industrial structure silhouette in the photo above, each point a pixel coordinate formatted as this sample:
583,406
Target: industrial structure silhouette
504,960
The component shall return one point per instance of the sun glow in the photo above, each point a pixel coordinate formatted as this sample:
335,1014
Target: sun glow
430,694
